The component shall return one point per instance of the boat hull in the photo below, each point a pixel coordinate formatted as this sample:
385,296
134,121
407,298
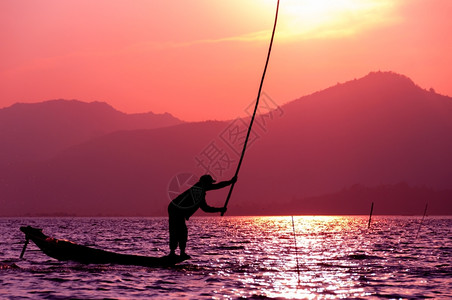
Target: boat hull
64,250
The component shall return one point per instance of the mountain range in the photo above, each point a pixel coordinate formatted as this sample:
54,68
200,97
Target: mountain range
381,135
38,131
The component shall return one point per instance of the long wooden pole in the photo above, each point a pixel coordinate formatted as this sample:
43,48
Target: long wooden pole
370,215
255,108
296,250
422,220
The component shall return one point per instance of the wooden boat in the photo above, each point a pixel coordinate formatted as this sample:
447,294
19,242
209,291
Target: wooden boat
66,250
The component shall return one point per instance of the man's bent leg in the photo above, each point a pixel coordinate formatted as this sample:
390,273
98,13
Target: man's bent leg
183,237
173,234
183,242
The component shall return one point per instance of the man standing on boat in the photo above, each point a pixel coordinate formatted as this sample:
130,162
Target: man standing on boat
185,205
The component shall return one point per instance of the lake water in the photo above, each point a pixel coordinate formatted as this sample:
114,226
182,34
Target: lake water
238,257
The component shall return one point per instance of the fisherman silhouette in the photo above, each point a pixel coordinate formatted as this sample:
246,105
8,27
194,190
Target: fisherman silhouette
185,205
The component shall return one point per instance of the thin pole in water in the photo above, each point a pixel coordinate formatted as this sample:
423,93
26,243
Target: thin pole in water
255,108
370,215
296,251
422,220
24,248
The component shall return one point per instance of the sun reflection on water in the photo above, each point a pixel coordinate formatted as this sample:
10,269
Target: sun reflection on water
320,240
245,257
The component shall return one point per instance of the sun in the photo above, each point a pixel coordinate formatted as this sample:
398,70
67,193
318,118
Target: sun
329,18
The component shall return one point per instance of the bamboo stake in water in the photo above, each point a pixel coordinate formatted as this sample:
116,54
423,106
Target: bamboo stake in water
370,215
296,251
24,248
422,220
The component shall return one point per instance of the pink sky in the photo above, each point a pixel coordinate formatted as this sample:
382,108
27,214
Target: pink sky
203,59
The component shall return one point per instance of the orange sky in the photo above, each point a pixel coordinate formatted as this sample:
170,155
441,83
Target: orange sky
203,59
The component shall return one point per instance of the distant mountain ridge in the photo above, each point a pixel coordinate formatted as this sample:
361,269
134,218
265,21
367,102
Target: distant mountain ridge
376,131
388,199
37,131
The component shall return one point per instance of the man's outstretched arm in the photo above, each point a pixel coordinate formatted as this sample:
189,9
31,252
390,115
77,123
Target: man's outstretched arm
222,184
205,207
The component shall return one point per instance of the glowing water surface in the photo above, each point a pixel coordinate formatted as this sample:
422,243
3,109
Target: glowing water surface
234,257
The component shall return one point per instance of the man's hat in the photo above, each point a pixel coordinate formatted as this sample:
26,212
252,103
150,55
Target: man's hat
206,179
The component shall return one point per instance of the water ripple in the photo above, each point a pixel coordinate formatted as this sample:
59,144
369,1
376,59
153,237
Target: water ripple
242,257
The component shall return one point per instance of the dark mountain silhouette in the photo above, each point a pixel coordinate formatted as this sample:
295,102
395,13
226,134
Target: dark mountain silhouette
377,132
389,199
37,131
380,129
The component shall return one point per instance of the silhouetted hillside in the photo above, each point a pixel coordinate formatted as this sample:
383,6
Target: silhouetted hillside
125,173
379,130
31,132
388,199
